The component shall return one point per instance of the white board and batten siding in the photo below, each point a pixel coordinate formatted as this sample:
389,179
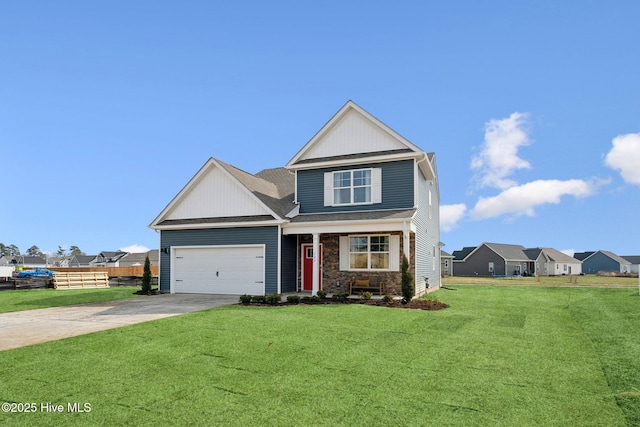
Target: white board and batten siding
229,270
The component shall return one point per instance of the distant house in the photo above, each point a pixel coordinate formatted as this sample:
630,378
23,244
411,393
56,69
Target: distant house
133,259
635,262
606,261
81,260
551,262
5,260
108,259
446,263
26,261
491,259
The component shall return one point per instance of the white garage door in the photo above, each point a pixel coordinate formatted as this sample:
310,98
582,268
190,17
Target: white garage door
234,270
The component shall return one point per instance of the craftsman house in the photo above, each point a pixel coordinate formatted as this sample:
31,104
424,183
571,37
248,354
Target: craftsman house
348,206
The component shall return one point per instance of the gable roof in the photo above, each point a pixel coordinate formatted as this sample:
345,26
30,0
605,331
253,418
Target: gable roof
222,193
508,252
557,256
583,256
633,259
354,134
463,253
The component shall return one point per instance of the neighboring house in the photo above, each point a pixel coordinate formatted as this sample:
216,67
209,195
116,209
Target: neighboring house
347,206
491,259
6,260
446,264
25,261
635,262
108,259
551,262
605,261
134,259
81,260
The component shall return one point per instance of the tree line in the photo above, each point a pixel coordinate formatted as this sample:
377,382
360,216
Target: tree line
13,250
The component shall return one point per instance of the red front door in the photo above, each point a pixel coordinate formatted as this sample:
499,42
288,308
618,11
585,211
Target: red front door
307,268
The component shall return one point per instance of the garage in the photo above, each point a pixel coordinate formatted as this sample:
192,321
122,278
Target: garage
231,270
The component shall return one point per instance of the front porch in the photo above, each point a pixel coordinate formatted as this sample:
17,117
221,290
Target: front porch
335,271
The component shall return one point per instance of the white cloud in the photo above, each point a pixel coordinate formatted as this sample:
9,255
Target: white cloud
450,215
625,157
498,157
569,252
522,199
135,249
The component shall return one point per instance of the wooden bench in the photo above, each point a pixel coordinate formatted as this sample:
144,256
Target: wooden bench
375,286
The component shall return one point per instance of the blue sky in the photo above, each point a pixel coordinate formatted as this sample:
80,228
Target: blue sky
107,109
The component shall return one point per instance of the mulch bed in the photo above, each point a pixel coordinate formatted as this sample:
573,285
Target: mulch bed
416,304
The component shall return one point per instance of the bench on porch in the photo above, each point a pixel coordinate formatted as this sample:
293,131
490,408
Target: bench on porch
373,285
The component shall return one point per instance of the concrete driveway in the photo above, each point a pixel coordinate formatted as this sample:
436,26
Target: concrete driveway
22,328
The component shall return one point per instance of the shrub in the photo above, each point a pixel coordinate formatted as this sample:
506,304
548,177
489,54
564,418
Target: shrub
340,297
310,300
273,299
245,299
366,296
258,299
146,276
387,299
293,299
408,289
321,294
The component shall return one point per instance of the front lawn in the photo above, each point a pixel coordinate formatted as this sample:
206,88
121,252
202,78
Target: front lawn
497,356
19,300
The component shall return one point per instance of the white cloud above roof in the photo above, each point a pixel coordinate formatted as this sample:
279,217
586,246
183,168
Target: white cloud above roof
624,157
522,199
450,215
498,157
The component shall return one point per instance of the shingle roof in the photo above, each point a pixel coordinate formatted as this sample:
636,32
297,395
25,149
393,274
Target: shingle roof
355,216
633,259
508,252
463,253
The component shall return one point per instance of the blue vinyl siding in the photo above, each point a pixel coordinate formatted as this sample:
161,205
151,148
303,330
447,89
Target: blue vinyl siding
288,274
397,188
223,236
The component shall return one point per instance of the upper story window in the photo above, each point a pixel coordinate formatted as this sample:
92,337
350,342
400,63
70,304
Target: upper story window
353,187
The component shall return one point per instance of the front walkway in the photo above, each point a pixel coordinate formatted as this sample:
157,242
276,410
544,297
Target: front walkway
22,328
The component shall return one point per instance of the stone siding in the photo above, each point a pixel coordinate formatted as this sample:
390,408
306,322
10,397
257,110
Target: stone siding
336,281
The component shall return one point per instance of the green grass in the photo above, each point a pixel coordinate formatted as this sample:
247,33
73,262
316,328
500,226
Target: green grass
43,298
589,280
523,356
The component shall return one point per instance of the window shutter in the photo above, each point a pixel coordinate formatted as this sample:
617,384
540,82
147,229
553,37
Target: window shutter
376,185
328,188
394,252
344,253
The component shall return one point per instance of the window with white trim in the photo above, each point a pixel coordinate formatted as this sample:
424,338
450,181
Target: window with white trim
353,187
369,252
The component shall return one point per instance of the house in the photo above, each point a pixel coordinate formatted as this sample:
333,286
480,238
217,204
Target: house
446,264
26,261
551,262
133,259
596,261
635,262
347,206
491,259
108,259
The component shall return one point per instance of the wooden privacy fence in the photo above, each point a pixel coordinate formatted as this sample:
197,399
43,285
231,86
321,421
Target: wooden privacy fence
133,271
80,280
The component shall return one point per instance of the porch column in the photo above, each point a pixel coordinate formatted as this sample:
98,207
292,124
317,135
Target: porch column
406,241
316,264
